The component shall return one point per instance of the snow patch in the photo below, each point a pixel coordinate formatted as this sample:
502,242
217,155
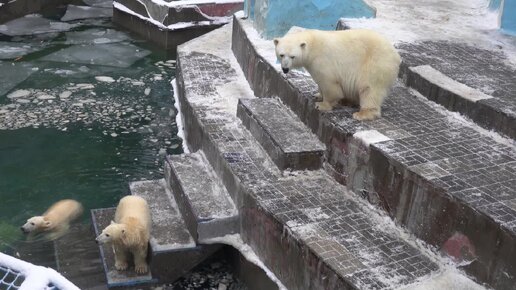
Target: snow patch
179,117
369,137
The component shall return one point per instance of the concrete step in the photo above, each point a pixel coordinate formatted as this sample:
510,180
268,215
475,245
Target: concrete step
170,239
309,230
447,181
101,218
207,208
287,140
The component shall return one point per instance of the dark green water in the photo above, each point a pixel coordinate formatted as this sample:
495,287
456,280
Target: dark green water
90,145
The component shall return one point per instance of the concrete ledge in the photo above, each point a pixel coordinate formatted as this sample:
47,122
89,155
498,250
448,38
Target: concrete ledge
205,204
437,177
289,143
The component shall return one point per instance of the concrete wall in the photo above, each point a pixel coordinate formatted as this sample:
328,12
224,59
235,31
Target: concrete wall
508,16
274,18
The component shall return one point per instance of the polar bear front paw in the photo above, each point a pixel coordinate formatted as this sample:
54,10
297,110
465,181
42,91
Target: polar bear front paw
323,106
318,97
141,269
121,266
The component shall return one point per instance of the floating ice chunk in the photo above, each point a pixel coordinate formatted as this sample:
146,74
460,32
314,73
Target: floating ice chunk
99,3
46,97
95,36
33,24
112,54
18,94
85,86
138,83
13,50
105,79
147,91
23,101
11,74
83,12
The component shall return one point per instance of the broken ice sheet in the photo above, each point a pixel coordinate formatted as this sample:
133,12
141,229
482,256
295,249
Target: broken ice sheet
9,50
112,54
83,12
11,74
33,24
99,3
95,36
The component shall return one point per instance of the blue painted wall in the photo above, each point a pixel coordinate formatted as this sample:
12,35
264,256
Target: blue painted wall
508,19
274,18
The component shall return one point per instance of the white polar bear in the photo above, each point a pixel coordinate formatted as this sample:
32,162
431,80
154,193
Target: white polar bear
129,233
358,66
56,219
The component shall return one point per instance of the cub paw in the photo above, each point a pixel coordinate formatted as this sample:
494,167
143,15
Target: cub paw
323,106
121,266
364,115
141,269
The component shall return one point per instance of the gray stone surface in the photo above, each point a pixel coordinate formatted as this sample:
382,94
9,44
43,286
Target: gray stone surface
306,227
169,231
287,140
101,219
205,203
483,70
437,176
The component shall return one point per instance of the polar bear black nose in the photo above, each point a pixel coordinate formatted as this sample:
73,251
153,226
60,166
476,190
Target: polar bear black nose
285,69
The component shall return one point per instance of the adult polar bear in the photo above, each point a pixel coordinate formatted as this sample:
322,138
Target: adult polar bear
358,66
129,233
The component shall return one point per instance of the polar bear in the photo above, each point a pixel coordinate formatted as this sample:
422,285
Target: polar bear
357,66
129,233
56,220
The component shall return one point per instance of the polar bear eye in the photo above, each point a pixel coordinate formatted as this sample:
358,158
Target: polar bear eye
292,57
281,55
33,224
107,235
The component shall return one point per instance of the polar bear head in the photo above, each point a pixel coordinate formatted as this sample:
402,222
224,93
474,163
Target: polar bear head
37,223
112,232
291,50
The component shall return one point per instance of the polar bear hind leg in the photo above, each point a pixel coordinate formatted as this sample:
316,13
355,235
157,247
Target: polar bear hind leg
371,100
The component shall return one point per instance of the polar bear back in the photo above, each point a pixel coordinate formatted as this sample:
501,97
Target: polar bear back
135,207
63,211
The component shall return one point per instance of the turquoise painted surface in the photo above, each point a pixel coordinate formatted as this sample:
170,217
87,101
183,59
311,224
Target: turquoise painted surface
494,4
275,17
508,19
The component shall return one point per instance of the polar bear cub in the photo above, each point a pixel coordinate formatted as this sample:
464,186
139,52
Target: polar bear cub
56,219
358,66
129,233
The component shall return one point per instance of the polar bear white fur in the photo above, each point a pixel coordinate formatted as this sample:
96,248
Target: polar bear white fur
56,219
357,66
129,233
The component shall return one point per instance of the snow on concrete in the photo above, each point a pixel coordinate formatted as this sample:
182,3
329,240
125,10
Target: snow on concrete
236,242
179,117
434,76
36,277
469,21
369,137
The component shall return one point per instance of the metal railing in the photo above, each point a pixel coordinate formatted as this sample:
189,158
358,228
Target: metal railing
16,274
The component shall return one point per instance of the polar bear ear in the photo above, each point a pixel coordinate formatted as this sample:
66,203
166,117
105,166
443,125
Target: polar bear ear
303,45
276,41
112,223
48,223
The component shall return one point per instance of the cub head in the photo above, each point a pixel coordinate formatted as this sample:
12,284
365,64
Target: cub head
37,223
290,51
112,232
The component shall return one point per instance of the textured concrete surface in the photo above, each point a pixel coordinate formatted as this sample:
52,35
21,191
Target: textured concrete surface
286,139
307,228
485,71
438,176
206,205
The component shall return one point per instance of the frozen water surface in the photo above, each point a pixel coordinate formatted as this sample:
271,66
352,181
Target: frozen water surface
33,24
99,3
113,54
83,12
10,50
11,74
95,36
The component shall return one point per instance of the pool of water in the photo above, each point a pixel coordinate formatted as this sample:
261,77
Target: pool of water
85,108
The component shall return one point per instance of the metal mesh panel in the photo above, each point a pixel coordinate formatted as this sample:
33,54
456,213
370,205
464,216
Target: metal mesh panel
9,279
